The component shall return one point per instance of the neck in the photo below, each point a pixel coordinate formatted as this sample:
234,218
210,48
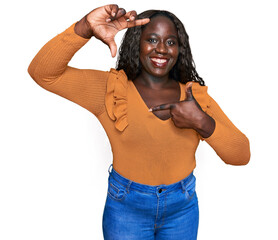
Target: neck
153,82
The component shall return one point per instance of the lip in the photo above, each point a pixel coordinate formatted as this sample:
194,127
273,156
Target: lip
159,64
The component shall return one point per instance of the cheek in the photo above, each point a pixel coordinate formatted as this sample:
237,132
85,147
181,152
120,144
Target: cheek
146,49
175,54
144,52
176,51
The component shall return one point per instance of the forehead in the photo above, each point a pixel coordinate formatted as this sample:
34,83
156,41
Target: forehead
160,25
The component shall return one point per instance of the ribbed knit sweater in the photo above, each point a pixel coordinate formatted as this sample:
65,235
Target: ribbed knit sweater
145,149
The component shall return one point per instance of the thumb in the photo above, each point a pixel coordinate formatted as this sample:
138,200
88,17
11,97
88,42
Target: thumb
113,48
188,91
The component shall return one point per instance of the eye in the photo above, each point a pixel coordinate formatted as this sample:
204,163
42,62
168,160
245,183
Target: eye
152,40
171,42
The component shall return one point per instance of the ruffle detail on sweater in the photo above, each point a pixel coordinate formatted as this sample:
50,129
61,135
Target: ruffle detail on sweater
201,95
116,98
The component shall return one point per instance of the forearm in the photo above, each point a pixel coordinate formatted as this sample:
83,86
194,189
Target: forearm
50,70
230,144
53,58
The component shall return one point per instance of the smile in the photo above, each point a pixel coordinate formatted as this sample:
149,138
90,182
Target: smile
159,62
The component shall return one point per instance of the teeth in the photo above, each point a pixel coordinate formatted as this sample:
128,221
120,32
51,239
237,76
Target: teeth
158,60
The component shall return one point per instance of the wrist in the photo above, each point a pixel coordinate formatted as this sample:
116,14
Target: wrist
205,125
83,29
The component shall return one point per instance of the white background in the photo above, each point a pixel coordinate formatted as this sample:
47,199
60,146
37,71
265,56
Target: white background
55,154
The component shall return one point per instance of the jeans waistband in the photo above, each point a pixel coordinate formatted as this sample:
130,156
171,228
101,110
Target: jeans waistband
150,188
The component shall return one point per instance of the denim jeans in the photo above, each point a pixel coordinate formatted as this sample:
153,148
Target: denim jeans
135,211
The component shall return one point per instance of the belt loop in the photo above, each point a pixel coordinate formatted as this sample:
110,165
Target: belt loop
109,168
128,186
183,186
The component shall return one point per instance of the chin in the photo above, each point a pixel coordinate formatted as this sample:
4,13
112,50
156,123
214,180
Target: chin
159,73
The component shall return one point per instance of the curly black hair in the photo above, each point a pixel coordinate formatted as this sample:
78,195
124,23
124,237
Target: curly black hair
129,51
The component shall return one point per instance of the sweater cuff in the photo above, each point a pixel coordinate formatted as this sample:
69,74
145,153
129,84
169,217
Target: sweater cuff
215,136
72,38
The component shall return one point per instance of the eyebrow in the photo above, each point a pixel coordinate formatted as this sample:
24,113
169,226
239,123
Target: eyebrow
169,36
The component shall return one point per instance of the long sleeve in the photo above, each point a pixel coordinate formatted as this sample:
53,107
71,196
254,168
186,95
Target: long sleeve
50,70
230,144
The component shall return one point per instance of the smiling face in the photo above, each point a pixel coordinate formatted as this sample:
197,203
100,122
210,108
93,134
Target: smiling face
159,47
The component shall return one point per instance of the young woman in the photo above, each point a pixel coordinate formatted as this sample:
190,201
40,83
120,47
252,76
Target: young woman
154,108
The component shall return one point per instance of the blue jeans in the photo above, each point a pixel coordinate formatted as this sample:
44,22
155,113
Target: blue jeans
135,211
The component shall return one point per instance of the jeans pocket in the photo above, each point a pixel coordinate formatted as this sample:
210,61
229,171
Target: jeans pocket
190,188
116,190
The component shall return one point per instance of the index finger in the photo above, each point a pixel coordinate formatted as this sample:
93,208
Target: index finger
112,9
138,22
162,107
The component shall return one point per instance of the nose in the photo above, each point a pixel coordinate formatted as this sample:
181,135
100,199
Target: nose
161,48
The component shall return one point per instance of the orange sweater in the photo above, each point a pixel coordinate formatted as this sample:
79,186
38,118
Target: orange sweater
145,148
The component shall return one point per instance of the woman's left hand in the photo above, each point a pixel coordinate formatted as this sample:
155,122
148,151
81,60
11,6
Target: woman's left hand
189,114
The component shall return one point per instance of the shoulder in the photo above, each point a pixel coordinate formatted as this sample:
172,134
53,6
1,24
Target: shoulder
197,88
117,84
201,95
114,73
116,98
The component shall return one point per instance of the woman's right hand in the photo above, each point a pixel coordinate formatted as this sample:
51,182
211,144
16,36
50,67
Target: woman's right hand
105,22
